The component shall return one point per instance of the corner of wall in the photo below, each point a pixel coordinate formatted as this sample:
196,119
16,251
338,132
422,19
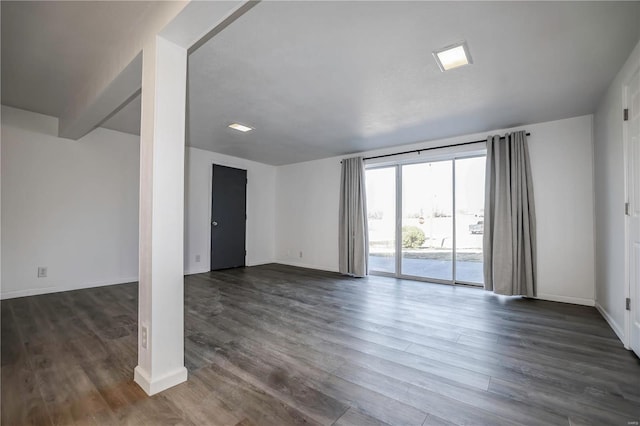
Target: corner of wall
609,196
593,208
612,322
86,238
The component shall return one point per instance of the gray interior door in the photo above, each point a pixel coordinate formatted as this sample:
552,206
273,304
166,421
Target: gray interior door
228,217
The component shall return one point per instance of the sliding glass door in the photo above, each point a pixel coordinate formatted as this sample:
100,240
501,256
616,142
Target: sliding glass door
426,220
381,216
469,193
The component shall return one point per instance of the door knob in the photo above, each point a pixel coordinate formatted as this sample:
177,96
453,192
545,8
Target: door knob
214,223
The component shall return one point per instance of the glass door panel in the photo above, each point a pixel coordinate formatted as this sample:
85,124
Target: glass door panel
469,218
427,220
381,215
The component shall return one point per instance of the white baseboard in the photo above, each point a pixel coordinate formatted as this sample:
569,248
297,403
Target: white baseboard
566,299
612,323
58,289
158,384
260,262
305,265
205,269
196,271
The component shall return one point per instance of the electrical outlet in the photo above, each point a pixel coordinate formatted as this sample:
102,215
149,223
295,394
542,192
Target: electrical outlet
144,337
42,271
300,254
197,258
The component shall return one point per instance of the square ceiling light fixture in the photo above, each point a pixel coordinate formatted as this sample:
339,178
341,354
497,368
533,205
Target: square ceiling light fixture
240,127
453,56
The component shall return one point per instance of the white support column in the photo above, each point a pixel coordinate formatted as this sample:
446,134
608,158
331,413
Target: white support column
161,281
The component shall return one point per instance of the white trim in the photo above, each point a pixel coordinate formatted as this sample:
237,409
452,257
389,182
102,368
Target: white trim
152,387
593,207
206,269
196,271
305,265
260,262
566,299
628,264
58,289
612,323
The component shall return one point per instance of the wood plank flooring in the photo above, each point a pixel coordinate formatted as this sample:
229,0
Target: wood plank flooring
277,345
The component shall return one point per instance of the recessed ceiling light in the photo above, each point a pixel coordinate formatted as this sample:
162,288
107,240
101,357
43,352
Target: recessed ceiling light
240,127
453,56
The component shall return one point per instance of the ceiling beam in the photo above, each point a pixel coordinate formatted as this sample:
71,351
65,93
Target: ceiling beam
93,100
202,20
122,89
187,26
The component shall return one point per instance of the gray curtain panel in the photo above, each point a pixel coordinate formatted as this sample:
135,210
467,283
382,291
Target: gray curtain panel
509,218
353,234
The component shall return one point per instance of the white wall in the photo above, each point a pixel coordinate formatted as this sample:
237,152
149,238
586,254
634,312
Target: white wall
610,197
260,208
562,168
71,206
307,214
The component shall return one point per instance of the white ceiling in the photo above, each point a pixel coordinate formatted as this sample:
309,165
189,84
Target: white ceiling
51,48
318,79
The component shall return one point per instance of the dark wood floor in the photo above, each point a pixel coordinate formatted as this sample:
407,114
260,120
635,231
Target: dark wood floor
275,345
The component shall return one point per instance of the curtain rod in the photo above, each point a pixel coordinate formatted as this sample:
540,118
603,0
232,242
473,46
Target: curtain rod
418,151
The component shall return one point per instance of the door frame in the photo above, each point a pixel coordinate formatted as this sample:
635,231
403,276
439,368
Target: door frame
210,207
627,229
